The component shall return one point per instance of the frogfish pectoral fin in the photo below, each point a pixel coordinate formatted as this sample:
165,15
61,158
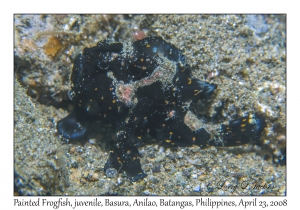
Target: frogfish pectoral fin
241,131
71,127
125,157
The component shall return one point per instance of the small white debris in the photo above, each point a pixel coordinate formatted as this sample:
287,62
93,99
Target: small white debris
194,176
92,141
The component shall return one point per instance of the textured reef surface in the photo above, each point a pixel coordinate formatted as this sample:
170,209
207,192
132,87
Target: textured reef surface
241,58
144,89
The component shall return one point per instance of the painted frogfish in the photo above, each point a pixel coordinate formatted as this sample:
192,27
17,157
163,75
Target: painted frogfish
144,88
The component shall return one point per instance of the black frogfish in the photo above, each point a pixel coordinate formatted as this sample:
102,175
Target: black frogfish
144,88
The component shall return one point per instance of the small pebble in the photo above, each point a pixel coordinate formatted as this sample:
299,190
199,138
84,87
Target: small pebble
221,192
160,158
85,174
111,172
138,34
179,154
79,149
92,141
161,150
269,178
120,181
95,177
197,188
263,191
146,192
74,164
210,189
156,168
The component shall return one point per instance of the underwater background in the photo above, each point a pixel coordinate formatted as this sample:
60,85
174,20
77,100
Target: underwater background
245,55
